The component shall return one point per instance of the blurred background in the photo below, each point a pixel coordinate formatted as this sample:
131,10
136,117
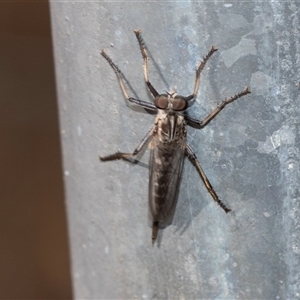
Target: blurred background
34,254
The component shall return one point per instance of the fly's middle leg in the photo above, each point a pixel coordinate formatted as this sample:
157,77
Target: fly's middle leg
193,158
123,155
201,124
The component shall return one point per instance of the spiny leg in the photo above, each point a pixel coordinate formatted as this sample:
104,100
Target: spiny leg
126,156
117,71
205,180
145,57
200,124
199,70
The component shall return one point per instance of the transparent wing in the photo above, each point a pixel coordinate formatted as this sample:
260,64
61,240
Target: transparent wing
165,172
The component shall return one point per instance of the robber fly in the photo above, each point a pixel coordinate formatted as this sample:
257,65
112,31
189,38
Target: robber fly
167,141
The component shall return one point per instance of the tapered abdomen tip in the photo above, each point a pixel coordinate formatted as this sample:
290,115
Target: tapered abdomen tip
154,232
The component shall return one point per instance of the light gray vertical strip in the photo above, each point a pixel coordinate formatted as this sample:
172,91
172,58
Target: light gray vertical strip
250,152
287,83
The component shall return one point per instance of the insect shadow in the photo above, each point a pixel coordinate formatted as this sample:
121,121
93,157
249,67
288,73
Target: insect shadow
167,139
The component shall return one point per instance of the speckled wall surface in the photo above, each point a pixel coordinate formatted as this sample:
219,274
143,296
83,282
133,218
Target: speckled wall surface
250,152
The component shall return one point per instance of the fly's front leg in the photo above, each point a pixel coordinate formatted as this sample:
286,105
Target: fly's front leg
117,71
145,57
122,155
205,180
203,123
198,72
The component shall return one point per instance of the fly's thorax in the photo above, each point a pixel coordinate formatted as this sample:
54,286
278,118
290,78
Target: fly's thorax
170,127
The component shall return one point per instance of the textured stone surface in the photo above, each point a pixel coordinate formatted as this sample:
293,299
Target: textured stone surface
250,152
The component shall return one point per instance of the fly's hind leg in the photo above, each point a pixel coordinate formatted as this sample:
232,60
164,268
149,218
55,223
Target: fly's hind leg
126,156
205,180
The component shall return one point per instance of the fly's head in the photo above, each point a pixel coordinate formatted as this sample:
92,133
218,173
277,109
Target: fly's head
171,103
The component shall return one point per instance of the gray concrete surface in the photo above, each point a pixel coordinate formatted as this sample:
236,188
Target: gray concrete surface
250,152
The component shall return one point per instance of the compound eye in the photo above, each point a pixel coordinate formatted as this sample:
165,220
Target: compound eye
179,103
161,102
